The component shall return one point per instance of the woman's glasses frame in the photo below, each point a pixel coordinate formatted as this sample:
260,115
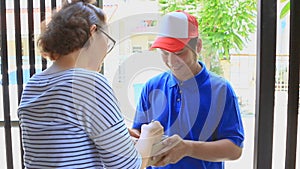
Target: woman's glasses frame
111,42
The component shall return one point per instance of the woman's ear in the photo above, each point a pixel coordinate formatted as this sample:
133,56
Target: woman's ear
93,29
199,45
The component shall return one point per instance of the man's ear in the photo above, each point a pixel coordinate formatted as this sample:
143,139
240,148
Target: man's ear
199,45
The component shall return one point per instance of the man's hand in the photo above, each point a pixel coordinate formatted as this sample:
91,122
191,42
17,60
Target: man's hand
174,150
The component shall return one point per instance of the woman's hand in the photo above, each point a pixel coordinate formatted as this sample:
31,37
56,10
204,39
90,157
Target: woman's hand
153,131
134,133
150,134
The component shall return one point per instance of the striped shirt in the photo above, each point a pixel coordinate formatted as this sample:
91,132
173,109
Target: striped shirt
71,119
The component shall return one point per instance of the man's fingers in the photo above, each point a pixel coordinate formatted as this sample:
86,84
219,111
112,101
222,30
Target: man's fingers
162,161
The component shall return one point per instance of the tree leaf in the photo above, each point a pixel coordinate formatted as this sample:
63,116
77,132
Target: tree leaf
285,10
224,25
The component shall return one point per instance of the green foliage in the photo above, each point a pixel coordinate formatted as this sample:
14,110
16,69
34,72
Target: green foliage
224,25
213,64
286,8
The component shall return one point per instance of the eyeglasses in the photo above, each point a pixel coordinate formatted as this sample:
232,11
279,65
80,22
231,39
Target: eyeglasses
110,41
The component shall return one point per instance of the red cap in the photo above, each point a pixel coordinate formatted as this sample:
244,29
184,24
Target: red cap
176,30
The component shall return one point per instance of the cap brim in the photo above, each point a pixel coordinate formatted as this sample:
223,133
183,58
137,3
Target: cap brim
170,44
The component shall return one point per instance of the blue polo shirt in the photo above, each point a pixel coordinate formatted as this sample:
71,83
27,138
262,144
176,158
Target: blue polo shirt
203,108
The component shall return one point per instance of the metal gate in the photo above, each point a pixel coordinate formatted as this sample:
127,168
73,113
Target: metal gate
266,62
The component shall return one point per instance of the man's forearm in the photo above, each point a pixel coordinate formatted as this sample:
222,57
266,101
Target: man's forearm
221,150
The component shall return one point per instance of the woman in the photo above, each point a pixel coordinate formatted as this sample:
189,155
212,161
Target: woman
68,114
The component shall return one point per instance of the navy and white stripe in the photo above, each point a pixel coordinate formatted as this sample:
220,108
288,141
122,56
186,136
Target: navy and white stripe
71,119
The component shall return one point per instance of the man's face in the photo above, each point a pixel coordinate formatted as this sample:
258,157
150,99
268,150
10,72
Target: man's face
181,61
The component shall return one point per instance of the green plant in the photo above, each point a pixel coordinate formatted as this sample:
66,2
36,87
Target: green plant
285,9
224,25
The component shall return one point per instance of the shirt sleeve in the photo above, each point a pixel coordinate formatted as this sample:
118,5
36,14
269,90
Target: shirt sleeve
99,115
231,126
116,148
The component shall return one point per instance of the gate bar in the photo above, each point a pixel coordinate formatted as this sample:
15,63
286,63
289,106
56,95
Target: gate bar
5,94
293,92
265,83
19,63
43,25
31,37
